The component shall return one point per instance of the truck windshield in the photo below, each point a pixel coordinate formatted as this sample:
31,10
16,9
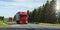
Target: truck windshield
23,16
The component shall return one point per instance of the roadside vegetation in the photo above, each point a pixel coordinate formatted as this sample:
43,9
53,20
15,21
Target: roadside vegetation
2,24
44,14
3,21
47,24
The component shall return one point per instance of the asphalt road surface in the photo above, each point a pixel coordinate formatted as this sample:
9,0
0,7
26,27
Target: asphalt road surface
28,27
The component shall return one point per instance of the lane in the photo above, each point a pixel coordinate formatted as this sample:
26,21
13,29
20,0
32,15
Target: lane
14,25
22,26
29,26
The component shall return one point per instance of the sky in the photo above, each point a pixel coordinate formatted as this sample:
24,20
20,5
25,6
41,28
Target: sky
8,8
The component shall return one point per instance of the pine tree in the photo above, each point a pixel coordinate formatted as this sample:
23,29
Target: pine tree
14,19
52,12
45,12
32,16
38,15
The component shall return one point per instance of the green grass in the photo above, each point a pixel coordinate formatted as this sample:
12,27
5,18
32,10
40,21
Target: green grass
47,24
3,24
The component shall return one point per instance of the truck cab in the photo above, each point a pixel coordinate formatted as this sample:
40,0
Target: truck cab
23,18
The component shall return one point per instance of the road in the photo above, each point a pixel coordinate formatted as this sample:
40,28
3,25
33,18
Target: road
28,27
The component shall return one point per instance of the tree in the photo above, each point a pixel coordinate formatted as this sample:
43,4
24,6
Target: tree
14,19
45,12
33,16
30,15
28,12
52,11
38,14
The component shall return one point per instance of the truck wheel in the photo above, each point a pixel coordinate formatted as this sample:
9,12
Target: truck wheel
18,22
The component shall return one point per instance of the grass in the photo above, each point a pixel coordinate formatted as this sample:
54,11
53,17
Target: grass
3,24
47,24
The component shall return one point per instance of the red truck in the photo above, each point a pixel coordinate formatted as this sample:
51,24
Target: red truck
22,18
10,19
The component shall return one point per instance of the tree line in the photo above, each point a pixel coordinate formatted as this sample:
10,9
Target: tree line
45,13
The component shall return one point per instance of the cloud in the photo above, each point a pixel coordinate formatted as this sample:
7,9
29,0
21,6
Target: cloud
20,3
14,6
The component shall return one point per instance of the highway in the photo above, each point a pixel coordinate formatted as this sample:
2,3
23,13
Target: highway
28,27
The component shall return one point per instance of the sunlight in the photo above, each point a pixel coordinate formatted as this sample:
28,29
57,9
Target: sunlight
57,6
